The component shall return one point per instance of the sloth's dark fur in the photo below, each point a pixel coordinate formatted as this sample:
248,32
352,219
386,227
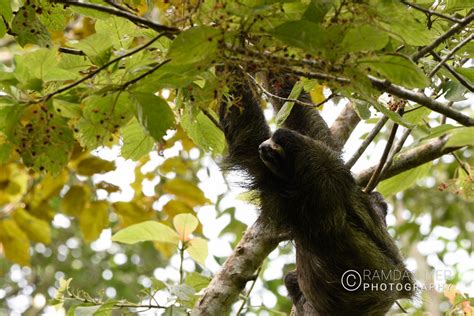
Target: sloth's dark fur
305,188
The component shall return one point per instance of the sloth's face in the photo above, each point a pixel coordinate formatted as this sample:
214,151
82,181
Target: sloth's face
278,152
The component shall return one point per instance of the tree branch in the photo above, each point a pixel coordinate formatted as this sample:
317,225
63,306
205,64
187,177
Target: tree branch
449,54
374,179
344,124
420,98
453,30
143,75
256,244
374,132
410,159
95,72
454,73
431,12
124,14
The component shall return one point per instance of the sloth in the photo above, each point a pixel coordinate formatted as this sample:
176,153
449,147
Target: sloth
305,190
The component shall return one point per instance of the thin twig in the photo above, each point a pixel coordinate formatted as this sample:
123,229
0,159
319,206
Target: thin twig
431,12
95,72
454,73
246,298
420,98
462,164
271,95
453,30
376,175
449,54
211,118
396,149
124,14
118,305
351,162
143,75
71,51
117,6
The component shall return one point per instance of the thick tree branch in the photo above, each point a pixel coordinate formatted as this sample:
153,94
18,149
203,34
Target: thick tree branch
421,99
344,124
410,159
256,244
453,30
124,14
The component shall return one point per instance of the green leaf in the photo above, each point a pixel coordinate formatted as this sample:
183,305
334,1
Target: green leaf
40,64
53,16
154,114
97,47
146,231
102,116
183,292
406,26
203,131
463,136
28,29
118,29
302,34
136,143
6,11
456,5
285,110
467,73
106,308
364,38
417,115
197,249
185,224
44,139
195,45
403,180
197,281
396,68
317,9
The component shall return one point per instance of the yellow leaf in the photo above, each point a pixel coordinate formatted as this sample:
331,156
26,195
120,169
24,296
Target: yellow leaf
317,95
94,219
13,183
197,249
75,200
94,165
185,224
132,213
174,164
187,191
36,229
50,186
165,249
174,207
16,245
